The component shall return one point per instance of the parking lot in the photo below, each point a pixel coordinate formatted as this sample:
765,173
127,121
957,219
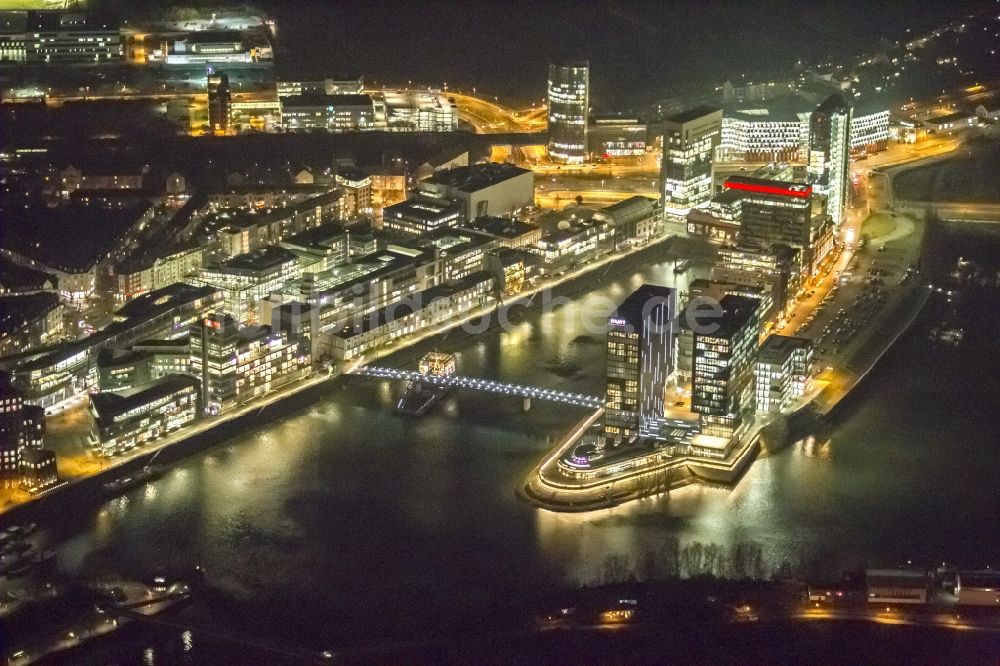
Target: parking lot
857,295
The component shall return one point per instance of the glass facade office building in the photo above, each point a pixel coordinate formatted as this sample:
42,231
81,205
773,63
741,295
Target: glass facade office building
640,360
722,381
569,100
830,153
689,142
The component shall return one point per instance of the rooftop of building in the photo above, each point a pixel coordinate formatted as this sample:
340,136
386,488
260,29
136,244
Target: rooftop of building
573,216
950,118
422,208
737,311
166,345
766,186
992,104
634,306
448,238
352,175
835,103
111,358
790,108
613,120
73,237
17,311
322,236
14,277
322,99
778,347
58,20
983,578
502,227
107,405
33,456
262,259
364,271
163,300
146,256
633,207
896,576
693,113
214,37
476,177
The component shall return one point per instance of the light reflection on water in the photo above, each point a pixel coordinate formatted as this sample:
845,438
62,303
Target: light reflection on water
346,500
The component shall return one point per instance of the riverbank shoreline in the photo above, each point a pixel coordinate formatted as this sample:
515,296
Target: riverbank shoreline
300,394
881,335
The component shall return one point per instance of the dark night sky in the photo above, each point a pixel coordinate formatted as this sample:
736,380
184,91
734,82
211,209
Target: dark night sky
504,47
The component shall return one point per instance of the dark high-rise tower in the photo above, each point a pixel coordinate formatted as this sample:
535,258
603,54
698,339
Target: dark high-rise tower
640,359
569,101
722,384
219,98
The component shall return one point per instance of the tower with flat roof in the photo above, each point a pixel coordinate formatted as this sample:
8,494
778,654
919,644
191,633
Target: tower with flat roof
689,142
829,153
640,361
569,101
219,99
722,379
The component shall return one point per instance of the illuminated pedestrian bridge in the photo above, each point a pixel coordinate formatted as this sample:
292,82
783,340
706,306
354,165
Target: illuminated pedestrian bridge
488,385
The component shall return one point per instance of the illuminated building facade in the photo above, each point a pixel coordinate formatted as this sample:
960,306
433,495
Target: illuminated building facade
235,366
690,139
219,100
265,361
119,370
337,113
38,470
421,214
569,102
482,189
774,270
757,136
30,321
137,277
611,137
59,38
575,242
785,212
640,360
213,360
358,186
869,131
126,419
722,378
246,279
784,365
418,111
830,153
71,368
412,314
22,427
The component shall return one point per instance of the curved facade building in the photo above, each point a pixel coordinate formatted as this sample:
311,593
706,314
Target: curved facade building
569,99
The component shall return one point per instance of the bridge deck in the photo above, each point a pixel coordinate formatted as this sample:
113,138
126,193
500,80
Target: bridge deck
487,385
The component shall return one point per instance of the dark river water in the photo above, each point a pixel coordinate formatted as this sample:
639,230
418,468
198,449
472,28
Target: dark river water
346,524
